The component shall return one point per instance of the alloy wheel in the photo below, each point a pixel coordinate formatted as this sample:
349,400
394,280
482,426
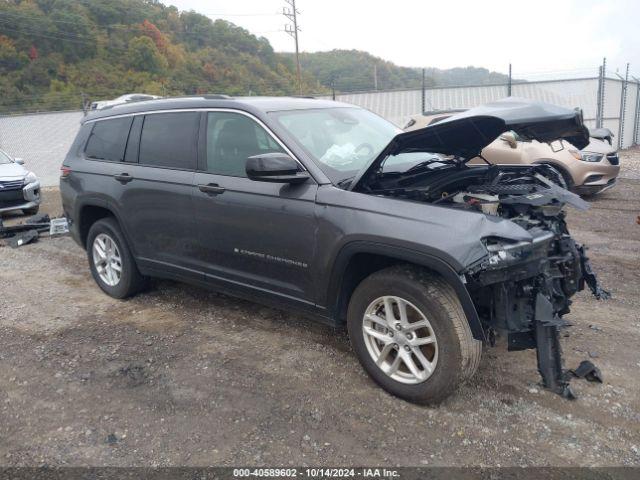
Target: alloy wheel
107,259
400,339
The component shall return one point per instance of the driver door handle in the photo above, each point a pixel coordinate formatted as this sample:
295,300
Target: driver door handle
211,189
123,178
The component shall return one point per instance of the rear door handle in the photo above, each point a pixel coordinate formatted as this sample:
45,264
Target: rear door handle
123,178
211,188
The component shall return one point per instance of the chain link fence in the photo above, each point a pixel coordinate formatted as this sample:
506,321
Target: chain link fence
42,139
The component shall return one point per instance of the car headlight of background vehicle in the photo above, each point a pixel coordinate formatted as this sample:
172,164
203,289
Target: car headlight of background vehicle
591,157
30,178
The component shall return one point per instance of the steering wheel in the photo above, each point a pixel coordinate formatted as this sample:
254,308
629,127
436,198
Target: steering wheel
363,146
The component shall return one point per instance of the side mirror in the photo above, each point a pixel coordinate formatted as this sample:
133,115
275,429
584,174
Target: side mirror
510,138
275,167
19,161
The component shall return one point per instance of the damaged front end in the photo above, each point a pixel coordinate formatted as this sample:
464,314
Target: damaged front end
525,288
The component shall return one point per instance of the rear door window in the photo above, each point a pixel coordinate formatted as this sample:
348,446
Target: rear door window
108,139
170,140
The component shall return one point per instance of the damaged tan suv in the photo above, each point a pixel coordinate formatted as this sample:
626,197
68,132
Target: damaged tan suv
587,172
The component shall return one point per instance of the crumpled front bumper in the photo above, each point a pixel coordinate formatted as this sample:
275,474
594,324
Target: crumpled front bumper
524,289
28,197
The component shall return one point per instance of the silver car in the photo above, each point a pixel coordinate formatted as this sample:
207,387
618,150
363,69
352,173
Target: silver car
19,188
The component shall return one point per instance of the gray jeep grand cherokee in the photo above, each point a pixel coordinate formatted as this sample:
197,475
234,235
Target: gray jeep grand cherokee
328,209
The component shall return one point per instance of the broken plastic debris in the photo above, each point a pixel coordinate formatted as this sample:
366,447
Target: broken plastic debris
588,371
23,238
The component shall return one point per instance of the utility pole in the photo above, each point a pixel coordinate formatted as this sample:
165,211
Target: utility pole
509,85
85,103
333,85
375,76
292,14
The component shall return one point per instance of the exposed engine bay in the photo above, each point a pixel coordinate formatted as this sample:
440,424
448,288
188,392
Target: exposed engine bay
521,289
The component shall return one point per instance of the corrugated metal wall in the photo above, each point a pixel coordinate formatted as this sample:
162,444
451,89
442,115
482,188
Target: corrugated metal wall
395,106
566,93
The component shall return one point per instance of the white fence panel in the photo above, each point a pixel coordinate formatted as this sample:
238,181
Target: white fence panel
455,98
566,93
395,106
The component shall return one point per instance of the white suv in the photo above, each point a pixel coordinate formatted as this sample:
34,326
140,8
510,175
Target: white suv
19,188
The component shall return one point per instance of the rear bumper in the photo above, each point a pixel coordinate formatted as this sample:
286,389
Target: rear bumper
27,197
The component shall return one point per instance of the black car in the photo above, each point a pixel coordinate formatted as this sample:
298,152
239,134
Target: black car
328,209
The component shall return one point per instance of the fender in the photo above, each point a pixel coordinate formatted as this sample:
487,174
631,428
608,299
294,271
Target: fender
411,256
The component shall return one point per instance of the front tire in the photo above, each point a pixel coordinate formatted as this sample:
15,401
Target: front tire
423,349
110,260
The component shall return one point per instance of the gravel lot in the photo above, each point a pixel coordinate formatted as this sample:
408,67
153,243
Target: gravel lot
182,376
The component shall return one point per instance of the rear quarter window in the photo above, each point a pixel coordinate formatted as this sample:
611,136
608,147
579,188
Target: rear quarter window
108,139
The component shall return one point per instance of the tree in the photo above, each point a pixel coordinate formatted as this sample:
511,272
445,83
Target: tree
10,59
105,48
33,53
145,56
148,29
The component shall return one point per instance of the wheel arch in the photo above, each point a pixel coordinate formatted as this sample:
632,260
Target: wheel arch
89,212
358,260
564,171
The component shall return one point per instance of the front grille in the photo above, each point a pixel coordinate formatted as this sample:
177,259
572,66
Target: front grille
613,159
11,185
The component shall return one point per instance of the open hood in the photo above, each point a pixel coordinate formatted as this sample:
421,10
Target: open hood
465,134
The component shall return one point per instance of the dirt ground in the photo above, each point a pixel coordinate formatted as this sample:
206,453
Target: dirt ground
182,376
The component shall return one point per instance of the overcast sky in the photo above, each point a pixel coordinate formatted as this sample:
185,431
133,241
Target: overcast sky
539,37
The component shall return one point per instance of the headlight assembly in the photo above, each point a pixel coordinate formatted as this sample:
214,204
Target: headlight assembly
30,178
591,157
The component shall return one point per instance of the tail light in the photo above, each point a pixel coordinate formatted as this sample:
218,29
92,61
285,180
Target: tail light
64,172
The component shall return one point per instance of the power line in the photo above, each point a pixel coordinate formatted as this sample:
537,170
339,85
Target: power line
88,39
240,14
83,40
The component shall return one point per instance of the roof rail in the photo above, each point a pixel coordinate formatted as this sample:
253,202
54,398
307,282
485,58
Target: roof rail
207,96
216,96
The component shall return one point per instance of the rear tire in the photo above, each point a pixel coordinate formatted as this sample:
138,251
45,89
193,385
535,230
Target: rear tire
111,262
455,354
